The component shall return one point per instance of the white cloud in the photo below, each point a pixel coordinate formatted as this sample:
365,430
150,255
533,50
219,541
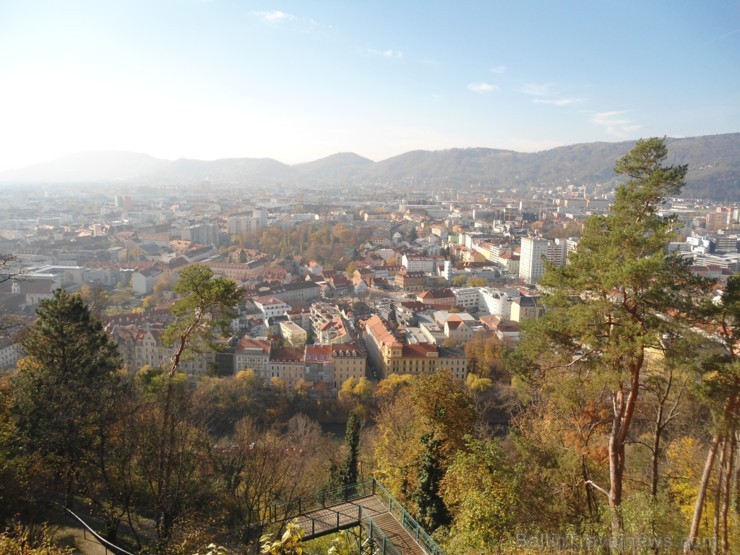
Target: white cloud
482,88
273,16
538,89
388,53
558,101
722,37
615,124
498,69
548,93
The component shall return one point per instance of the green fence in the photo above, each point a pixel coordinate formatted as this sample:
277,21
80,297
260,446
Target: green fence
406,520
319,500
282,512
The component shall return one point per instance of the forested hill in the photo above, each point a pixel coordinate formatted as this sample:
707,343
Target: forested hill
714,168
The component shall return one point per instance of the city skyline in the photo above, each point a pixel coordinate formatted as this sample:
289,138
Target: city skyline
297,81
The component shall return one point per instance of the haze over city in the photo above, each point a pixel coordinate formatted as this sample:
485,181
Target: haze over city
296,81
369,276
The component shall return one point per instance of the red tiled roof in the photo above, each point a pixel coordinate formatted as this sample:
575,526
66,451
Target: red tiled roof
380,332
350,349
436,294
248,343
318,353
269,301
287,354
419,350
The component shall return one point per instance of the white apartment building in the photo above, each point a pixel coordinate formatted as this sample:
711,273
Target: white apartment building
271,306
534,250
247,221
205,234
254,354
531,263
10,354
496,302
426,264
143,281
557,252
467,298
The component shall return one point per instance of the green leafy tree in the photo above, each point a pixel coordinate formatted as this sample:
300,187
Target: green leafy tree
357,391
64,395
609,304
20,540
459,281
481,491
290,543
486,353
207,304
8,322
476,281
96,298
388,388
432,404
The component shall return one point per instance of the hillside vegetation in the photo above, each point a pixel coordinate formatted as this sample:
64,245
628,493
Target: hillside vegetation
714,168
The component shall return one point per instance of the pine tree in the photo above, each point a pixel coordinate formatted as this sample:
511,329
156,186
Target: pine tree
346,472
66,388
619,294
352,449
431,509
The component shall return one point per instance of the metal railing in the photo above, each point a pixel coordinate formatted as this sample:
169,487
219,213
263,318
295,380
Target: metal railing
335,520
320,525
407,521
379,539
319,500
327,498
108,546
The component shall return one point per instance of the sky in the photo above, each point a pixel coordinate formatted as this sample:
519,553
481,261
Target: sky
300,80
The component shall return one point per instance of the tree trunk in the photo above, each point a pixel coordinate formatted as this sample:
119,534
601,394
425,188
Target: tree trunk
718,497
727,423
701,495
616,474
162,490
656,454
590,498
654,474
616,463
165,517
623,411
729,471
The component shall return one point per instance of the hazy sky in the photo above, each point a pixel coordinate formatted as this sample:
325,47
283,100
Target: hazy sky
299,80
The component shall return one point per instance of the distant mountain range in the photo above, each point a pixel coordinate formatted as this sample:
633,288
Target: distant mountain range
714,168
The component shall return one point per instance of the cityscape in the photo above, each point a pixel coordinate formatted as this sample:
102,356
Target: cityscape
411,253
369,278
264,308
